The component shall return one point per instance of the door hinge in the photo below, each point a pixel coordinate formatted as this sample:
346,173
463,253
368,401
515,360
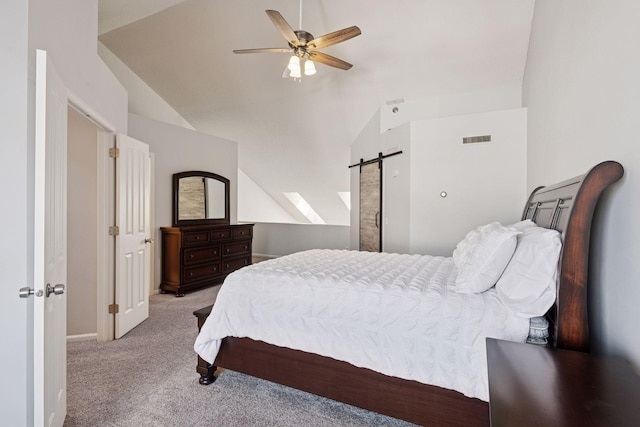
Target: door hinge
114,309
114,152
114,230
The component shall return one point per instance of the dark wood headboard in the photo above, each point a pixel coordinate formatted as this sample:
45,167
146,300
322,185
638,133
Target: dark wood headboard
568,207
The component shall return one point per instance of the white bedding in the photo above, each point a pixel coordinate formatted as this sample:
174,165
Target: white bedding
395,314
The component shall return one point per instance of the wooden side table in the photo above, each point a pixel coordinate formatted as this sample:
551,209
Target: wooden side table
535,386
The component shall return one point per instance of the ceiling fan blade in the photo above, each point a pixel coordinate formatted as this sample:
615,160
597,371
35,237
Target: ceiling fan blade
284,27
334,38
263,50
332,61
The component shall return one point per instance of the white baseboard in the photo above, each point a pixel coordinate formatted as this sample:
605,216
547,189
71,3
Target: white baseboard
266,255
83,337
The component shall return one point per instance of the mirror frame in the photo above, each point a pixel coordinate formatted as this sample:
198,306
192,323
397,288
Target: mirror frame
209,221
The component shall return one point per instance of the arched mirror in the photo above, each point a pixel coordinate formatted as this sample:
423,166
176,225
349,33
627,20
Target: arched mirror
200,198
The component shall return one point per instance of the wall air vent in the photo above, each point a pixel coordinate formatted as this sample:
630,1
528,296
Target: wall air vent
476,139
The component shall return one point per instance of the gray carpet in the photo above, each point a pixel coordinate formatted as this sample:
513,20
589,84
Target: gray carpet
148,378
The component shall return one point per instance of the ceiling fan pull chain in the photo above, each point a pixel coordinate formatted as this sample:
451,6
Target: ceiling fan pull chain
300,20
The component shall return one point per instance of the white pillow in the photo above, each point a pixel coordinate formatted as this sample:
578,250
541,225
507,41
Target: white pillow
482,256
528,284
523,225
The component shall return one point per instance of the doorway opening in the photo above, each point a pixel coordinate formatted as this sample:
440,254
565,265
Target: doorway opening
91,201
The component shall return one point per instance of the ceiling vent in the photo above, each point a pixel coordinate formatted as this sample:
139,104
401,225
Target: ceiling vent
476,139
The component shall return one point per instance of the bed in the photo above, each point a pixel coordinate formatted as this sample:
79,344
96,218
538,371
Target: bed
567,207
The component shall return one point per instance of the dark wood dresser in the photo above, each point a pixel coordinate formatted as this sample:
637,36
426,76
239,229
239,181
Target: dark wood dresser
198,256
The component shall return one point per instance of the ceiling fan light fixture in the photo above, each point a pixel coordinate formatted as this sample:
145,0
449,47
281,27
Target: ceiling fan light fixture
309,68
295,73
294,64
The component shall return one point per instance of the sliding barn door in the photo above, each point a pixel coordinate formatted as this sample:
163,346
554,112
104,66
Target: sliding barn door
371,207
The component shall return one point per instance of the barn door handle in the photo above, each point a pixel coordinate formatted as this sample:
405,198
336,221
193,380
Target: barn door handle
377,218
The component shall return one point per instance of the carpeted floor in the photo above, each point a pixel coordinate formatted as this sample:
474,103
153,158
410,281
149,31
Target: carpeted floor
148,378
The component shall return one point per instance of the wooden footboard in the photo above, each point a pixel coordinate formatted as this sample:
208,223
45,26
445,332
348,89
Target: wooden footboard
323,376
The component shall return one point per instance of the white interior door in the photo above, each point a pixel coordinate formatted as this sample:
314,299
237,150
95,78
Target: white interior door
132,242
50,246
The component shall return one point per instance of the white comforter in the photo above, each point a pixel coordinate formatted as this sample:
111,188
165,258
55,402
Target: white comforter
394,314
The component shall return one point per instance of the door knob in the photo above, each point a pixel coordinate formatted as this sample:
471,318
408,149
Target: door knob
56,290
149,240
27,292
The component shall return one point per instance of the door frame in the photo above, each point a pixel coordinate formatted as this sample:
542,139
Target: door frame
106,217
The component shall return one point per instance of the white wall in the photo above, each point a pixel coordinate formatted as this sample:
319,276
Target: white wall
143,100
82,225
178,149
255,205
277,233
271,239
434,160
68,29
582,91
489,99
15,313
484,182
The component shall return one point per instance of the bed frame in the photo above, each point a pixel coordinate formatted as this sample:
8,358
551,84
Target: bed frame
567,207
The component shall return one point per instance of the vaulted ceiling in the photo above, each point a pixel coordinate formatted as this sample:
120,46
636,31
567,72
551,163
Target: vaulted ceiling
295,136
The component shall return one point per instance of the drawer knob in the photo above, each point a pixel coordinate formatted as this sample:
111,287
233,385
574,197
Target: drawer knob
191,256
227,250
246,247
191,274
226,266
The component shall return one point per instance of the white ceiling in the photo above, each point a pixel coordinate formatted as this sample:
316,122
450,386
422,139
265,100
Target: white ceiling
296,136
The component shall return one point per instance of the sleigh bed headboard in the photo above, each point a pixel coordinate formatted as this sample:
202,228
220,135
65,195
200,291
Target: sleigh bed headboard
568,207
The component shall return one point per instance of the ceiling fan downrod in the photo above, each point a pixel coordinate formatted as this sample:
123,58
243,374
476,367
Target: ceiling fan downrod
300,19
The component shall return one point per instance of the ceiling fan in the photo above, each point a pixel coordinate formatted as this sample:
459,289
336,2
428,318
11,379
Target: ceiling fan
303,46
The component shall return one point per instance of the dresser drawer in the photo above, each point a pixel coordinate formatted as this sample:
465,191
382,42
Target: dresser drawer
193,274
232,249
223,234
196,237
198,255
242,233
234,264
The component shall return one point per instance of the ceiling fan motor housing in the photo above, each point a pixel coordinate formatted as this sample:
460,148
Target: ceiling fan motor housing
303,36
